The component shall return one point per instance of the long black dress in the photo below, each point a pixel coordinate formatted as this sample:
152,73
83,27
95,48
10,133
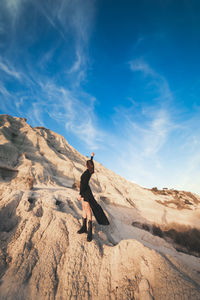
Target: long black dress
86,193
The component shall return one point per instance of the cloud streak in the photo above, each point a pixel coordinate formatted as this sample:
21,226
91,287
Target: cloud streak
77,111
13,7
4,92
141,66
7,69
74,109
156,80
156,146
74,19
141,143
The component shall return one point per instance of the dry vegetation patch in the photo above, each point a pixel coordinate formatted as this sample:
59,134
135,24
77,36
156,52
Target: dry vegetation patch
184,238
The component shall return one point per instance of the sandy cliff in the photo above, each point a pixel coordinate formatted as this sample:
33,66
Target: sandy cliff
41,255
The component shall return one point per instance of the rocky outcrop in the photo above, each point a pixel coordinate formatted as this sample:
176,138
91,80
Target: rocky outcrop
41,255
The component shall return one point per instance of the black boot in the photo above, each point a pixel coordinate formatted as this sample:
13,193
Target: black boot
84,227
89,235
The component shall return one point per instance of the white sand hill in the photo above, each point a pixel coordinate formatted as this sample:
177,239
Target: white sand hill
42,256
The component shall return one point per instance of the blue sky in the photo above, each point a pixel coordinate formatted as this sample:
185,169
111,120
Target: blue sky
120,78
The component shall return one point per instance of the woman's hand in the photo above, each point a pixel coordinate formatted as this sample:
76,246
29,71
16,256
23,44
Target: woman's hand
92,154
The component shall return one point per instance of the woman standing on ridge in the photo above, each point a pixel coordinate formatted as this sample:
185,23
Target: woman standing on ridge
89,204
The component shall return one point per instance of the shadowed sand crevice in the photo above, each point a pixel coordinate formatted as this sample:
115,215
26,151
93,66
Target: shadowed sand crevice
7,174
9,222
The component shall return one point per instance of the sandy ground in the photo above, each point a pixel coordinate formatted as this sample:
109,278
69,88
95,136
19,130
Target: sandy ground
41,254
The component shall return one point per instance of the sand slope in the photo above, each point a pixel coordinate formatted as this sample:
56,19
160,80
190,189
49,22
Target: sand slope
42,256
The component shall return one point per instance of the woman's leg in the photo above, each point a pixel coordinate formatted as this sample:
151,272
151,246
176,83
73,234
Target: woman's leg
89,217
84,217
88,211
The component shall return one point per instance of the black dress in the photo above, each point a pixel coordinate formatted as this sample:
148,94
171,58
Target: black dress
86,193
85,190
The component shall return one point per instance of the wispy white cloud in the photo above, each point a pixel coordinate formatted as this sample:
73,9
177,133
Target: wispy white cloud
156,133
71,19
77,16
190,179
78,71
80,21
43,8
142,66
89,133
9,70
19,102
4,96
75,111
46,58
143,141
187,159
156,144
13,5
3,90
145,129
37,113
156,80
13,11
77,64
74,19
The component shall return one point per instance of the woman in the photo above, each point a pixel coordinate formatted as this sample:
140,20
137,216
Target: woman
89,204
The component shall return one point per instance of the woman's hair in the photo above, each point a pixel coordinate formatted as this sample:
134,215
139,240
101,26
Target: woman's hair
90,166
